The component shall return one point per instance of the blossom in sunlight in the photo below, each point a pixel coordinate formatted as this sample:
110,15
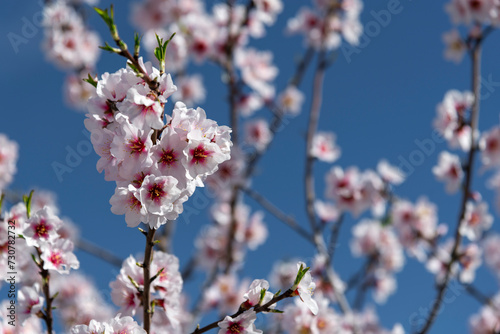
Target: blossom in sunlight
253,295
59,256
305,289
42,227
242,324
156,160
117,324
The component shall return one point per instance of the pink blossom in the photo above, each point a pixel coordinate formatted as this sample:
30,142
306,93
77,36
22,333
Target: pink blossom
252,296
249,103
59,256
242,324
486,321
490,148
305,289
157,194
449,170
450,119
42,227
257,70
190,89
143,108
476,220
125,201
389,173
30,302
132,148
326,211
77,92
324,148
258,134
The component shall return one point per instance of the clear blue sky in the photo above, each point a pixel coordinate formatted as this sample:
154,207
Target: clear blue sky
379,105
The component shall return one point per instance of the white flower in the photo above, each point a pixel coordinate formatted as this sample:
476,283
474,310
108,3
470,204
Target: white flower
305,289
242,324
324,148
476,220
30,302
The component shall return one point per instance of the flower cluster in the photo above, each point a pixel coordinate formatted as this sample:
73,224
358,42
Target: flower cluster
324,26
71,45
116,325
385,255
212,244
354,191
167,286
156,164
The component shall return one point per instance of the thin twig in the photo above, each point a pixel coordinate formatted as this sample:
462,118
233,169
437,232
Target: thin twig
275,211
476,88
148,256
257,309
99,252
332,244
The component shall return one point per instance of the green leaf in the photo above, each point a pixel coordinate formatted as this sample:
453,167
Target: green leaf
27,202
134,283
274,311
277,293
107,47
262,295
137,45
91,81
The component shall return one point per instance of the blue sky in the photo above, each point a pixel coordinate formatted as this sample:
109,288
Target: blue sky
380,104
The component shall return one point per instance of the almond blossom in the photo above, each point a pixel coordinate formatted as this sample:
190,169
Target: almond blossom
449,170
476,220
30,302
324,148
258,134
305,289
242,324
489,145
42,227
59,256
449,121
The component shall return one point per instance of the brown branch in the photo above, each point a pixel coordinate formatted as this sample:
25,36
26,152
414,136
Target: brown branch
148,257
46,315
476,88
332,244
257,309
